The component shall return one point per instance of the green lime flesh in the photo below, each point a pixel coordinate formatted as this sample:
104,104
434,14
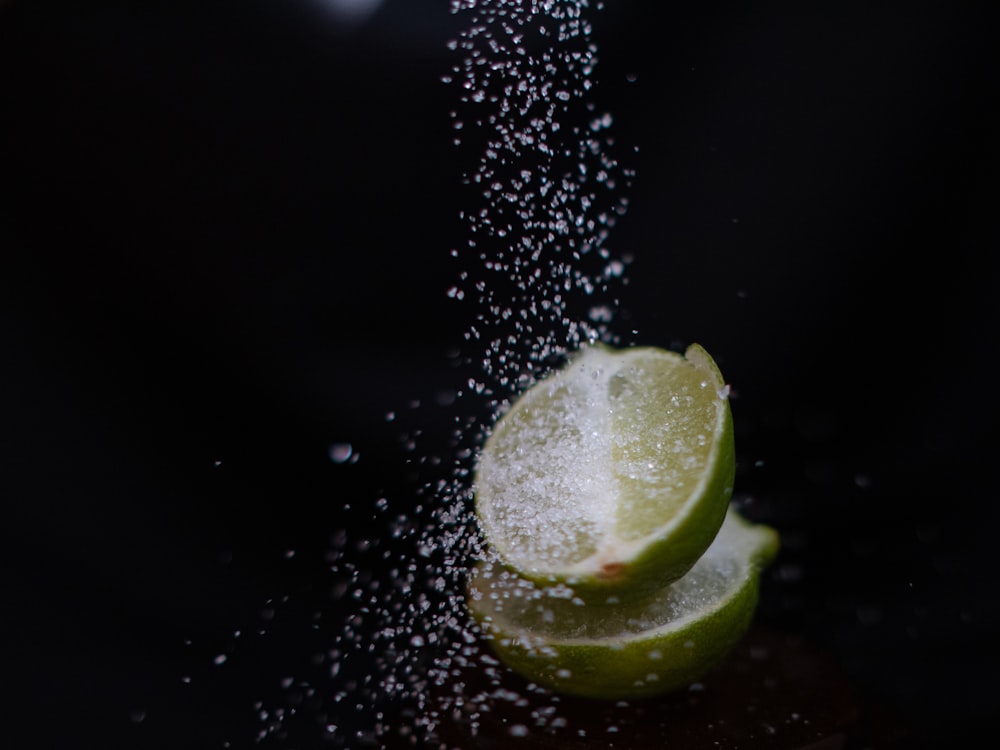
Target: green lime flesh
623,651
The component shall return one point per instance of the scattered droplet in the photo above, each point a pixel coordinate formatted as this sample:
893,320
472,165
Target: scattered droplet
340,452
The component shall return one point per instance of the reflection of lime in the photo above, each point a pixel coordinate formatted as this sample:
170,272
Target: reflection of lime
627,651
612,475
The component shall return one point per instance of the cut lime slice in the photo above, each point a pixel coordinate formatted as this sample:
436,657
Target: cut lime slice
667,642
613,474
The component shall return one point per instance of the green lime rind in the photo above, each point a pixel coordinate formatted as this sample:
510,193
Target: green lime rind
672,547
630,651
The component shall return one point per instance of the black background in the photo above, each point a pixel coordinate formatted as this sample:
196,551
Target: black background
225,247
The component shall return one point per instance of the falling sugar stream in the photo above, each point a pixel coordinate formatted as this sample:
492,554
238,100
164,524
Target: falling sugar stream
400,658
545,189
545,192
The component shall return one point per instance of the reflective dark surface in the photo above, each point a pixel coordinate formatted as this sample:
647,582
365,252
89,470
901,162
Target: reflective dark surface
774,691
224,247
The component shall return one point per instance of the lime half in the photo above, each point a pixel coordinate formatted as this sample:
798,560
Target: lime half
672,639
613,474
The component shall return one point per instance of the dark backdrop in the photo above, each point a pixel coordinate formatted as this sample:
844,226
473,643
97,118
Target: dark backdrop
225,247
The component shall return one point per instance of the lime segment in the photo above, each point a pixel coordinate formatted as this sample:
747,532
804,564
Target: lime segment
668,641
613,474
